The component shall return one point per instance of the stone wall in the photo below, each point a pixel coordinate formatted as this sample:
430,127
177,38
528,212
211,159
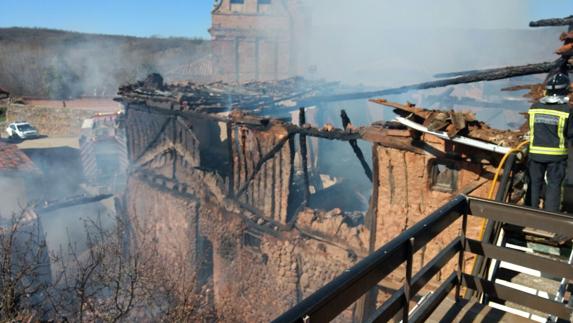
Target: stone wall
53,122
251,281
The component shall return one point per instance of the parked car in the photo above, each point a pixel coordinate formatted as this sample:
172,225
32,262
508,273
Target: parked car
21,130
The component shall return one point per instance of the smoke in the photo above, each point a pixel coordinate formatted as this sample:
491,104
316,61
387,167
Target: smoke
63,65
390,42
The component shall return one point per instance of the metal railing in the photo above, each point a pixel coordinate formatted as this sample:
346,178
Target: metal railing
329,301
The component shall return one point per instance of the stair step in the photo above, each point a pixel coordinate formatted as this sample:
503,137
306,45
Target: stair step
470,311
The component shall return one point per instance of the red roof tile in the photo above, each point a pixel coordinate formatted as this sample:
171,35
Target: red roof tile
13,159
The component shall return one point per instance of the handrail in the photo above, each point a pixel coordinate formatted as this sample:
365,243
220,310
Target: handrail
329,301
521,216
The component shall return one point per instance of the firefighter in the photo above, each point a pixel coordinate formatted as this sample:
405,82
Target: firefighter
551,128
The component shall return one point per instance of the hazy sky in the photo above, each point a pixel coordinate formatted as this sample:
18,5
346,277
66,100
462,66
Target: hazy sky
188,18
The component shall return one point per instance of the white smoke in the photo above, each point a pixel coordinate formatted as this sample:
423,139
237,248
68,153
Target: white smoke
391,42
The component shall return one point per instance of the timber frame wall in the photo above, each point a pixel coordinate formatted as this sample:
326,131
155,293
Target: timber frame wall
246,166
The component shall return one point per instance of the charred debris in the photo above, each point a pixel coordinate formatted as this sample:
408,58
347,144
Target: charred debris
264,105
267,177
237,131
250,112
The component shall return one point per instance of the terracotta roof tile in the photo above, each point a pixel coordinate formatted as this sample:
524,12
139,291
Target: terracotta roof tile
13,159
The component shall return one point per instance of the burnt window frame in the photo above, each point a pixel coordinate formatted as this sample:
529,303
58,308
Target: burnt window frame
433,185
252,240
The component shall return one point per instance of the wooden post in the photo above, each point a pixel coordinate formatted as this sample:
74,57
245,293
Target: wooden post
408,280
367,304
231,188
354,144
304,157
174,139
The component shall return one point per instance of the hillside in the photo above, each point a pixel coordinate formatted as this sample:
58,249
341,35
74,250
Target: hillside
61,64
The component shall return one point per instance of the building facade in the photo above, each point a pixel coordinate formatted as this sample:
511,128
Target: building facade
258,40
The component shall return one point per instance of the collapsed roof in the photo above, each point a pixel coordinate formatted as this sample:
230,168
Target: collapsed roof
241,104
222,97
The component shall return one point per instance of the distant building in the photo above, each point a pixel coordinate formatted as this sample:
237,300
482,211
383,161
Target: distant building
257,40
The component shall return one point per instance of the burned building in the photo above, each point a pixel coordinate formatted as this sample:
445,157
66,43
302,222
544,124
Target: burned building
229,194
256,40
234,185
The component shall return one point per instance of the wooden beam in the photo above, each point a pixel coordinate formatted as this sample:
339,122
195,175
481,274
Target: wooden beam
552,22
354,144
367,304
304,156
484,75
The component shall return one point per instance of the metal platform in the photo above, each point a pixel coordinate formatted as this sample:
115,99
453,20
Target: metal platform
325,304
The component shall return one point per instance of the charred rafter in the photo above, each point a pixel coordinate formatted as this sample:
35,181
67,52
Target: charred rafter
552,22
354,144
69,202
472,77
304,156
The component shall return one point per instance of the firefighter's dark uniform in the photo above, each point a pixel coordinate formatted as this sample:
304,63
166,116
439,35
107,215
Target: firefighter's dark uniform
550,129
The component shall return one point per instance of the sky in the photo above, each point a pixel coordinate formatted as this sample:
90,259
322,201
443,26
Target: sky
165,18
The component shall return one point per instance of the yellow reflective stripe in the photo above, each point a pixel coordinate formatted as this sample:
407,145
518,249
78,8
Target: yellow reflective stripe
531,132
548,151
550,112
549,148
560,132
561,150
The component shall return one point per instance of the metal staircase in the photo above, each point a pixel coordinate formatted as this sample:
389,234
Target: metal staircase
326,303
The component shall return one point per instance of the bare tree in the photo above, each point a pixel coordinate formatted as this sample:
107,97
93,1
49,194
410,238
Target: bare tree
24,267
106,280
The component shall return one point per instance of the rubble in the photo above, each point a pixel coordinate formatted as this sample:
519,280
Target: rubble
454,123
223,97
335,226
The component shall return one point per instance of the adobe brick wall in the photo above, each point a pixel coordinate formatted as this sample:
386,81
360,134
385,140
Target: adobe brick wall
405,198
250,284
186,206
180,215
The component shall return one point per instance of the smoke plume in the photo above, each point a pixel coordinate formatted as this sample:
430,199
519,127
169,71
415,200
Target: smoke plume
390,42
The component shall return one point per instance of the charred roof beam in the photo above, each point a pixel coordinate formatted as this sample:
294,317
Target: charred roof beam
552,22
472,77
